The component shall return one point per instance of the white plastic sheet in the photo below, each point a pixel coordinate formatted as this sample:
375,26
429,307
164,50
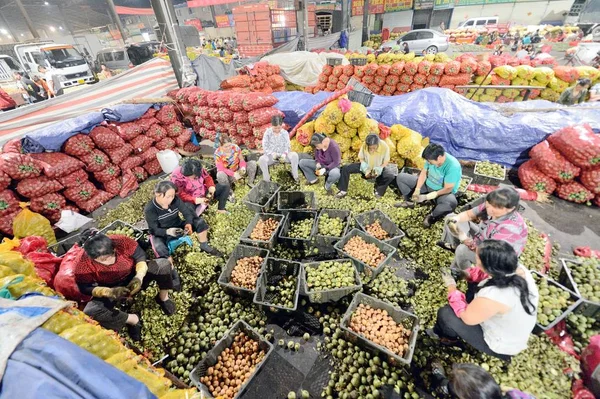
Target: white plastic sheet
302,67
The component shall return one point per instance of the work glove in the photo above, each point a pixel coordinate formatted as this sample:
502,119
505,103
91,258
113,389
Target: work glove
175,232
237,176
200,200
318,166
188,229
320,172
377,171
431,196
415,197
448,279
113,294
242,171
134,286
451,218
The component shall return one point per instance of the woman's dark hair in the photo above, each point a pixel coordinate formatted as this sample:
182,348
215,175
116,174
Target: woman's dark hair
96,244
432,152
372,139
469,381
191,167
500,261
162,187
317,138
505,197
276,120
584,82
224,139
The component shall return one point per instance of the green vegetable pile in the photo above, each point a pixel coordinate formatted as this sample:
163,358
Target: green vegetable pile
283,292
553,300
587,277
301,229
582,328
464,183
331,226
122,231
389,287
490,169
330,275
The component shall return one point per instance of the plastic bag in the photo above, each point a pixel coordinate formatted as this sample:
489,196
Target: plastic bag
32,244
16,262
71,220
590,361
586,252
64,281
28,223
46,266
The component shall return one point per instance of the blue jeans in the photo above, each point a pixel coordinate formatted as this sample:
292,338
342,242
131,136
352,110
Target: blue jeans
309,166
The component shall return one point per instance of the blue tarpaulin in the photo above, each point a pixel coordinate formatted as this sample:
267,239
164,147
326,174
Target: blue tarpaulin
468,130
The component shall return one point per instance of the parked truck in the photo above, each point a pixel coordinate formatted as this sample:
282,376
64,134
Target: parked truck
586,15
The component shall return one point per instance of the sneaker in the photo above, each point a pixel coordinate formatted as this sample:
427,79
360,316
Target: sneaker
405,204
329,191
341,194
429,221
210,250
310,183
168,307
376,194
176,280
135,331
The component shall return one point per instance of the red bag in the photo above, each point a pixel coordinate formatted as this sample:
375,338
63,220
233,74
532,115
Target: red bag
57,164
147,123
46,266
262,116
129,130
140,174
20,166
184,138
113,186
12,146
52,202
4,180
105,138
561,338
591,180
81,193
131,163
469,66
425,67
119,154
198,96
150,113
6,223
8,202
32,244
167,114
175,129
156,132
533,179
110,173
35,187
148,154
397,68
483,68
165,144
455,80
254,101
578,144
141,144
190,147
590,361
95,161
74,179
129,184
566,73
498,81
574,192
79,145
548,160
101,198
452,68
153,167
64,281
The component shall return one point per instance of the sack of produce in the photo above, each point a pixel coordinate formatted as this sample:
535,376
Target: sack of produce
151,112
175,129
469,65
165,144
129,184
35,187
57,164
396,69
28,223
497,80
95,161
74,179
101,198
589,72
131,163
140,173
506,72
79,145
110,173
4,180
156,132
532,179
51,202
254,101
81,193
566,73
262,116
20,166
558,85
197,96
578,144
552,163
411,68
113,186
455,80
167,114
141,144
8,203
105,138
13,145
117,155
153,167
6,222
590,178
543,75
64,281
574,192
452,68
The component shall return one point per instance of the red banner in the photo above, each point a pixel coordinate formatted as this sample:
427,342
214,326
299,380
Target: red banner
375,7
194,22
208,3
133,11
222,21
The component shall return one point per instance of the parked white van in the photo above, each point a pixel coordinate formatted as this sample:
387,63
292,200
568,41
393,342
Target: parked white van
481,22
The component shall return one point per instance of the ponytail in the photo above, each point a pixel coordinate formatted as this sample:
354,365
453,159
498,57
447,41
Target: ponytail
517,282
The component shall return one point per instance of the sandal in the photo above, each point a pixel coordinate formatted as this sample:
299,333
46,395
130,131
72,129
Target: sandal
445,245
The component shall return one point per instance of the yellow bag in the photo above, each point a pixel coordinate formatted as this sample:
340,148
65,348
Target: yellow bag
9,245
17,263
28,223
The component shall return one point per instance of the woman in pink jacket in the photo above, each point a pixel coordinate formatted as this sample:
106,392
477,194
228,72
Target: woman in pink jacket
230,163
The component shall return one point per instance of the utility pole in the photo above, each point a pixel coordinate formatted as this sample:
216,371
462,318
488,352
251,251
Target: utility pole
365,27
302,23
27,20
115,17
168,29
345,14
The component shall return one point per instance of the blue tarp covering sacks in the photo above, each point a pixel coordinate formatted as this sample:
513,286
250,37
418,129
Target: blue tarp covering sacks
467,129
47,366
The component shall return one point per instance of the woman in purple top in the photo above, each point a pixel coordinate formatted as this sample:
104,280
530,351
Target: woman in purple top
327,162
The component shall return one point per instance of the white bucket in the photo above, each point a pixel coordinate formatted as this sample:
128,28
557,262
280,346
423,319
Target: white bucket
168,160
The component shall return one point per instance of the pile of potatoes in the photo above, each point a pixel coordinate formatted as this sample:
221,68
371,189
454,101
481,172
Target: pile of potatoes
245,273
363,251
378,326
264,229
377,231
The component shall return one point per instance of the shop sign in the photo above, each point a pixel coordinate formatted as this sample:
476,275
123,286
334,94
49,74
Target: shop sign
398,5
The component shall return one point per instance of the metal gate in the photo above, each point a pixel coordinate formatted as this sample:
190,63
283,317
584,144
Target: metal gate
440,16
421,19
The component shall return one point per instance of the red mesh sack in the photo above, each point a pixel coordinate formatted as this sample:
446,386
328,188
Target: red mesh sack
327,70
150,113
57,164
383,70
236,102
551,163
359,71
498,81
20,166
333,79
106,138
4,180
32,244
79,145
74,179
6,223
348,70
338,70
189,147
165,144
13,145
140,173
411,68
101,198
35,187
379,81
397,68
433,80
129,184
406,79
81,193
452,68
455,80
276,81
9,203
566,73
156,132
262,116
129,130
110,173
578,144
145,124
131,163
437,68
199,97
64,281
420,79
240,117
175,129
167,114
149,154
254,101
591,180
113,186
344,79
425,67
392,80
371,69
244,129
141,144
468,65
153,167
416,86
403,87
574,192
51,202
225,115
483,68
119,154
532,179
95,161
368,79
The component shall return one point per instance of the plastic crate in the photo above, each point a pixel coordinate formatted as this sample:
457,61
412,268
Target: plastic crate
333,61
277,267
358,86
294,216
62,247
538,329
366,218
334,213
239,252
245,237
296,201
588,309
212,356
260,198
387,249
468,179
120,224
358,61
397,314
565,277
332,295
487,180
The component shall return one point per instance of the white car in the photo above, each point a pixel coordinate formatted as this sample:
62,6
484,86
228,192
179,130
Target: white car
432,41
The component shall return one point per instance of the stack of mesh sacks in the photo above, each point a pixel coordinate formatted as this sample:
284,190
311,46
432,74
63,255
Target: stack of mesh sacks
567,164
244,116
260,77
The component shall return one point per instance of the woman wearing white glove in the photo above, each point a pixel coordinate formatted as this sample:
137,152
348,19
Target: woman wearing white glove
277,148
230,163
327,161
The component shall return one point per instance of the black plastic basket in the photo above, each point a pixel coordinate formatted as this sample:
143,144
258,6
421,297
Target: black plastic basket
294,216
332,295
296,201
387,249
261,197
333,61
367,218
322,240
398,315
487,180
576,301
566,278
117,224
63,246
245,237
364,98
358,61
468,180
212,356
239,252
271,270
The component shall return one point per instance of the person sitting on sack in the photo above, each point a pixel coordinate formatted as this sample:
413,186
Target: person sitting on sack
374,157
439,181
196,187
499,310
113,268
498,219
327,162
231,165
165,225
277,148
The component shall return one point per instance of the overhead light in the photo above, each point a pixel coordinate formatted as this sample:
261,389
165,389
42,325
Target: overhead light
22,34
60,27
46,3
53,29
3,31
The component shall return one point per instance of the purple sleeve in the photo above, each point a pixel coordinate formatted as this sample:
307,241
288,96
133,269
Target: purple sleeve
335,154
